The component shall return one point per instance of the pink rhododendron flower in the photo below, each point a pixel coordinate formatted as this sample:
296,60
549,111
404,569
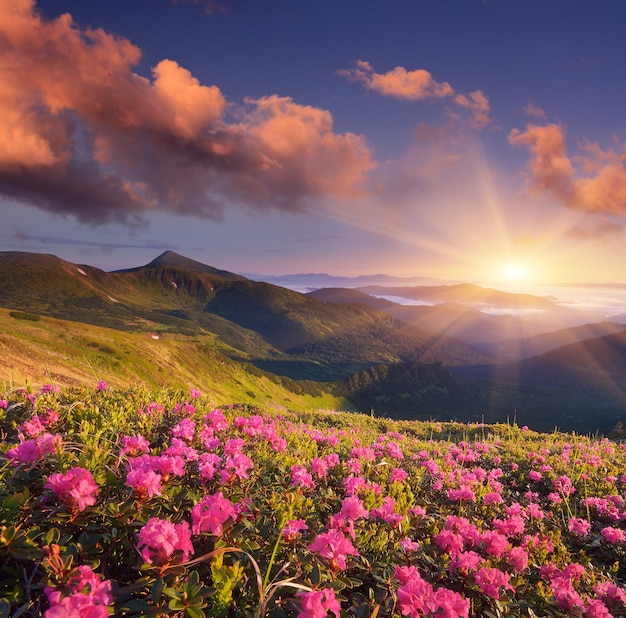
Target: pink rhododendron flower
466,561
416,597
301,477
613,535
335,547
462,526
491,581
30,451
179,448
76,488
597,609
145,482
160,538
534,511
493,498
208,465
134,446
564,593
168,465
50,417
89,596
418,511
317,603
233,446
407,545
510,526
494,543
613,596
464,493
319,467
517,557
563,484
292,529
352,508
195,393
578,526
210,514
102,385
387,513
32,427
50,388
449,604
449,542
216,420
185,429
398,475
237,465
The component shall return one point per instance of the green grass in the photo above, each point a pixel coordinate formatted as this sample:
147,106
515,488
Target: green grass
74,354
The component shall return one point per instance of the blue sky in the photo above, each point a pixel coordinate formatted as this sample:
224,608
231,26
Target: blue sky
465,139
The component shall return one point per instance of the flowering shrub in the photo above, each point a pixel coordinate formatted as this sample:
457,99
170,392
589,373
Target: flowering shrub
131,503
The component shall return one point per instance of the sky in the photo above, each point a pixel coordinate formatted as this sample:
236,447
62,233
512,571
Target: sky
479,140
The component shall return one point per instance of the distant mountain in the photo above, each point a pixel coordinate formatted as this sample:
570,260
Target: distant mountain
463,293
621,318
466,321
307,282
346,295
519,349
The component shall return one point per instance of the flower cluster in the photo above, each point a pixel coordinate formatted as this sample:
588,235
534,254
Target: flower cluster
206,511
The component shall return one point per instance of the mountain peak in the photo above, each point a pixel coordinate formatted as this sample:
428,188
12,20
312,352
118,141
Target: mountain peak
172,259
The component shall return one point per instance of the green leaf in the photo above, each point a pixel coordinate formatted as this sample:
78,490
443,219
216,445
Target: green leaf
315,576
157,589
171,592
195,612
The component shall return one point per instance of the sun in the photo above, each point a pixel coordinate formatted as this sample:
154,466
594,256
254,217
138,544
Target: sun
516,275
515,271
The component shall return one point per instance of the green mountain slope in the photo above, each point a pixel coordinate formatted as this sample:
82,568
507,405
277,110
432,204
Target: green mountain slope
282,331
40,350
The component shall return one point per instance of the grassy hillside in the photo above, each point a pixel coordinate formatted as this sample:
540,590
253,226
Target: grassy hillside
68,353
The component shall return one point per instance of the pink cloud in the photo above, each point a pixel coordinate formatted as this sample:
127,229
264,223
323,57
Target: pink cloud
478,104
419,85
84,134
533,111
399,83
551,171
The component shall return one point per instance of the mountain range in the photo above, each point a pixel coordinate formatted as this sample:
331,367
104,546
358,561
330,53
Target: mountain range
348,347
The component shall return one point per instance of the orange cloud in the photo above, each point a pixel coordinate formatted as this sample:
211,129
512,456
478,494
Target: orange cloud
554,173
399,83
478,104
84,134
418,85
